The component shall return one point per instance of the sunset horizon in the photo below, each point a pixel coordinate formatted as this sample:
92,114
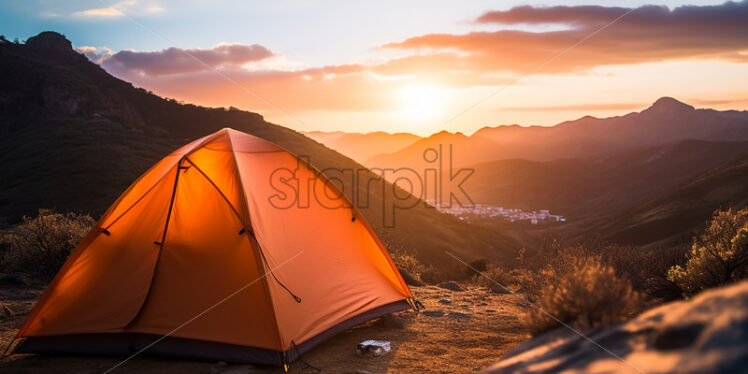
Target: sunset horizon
457,71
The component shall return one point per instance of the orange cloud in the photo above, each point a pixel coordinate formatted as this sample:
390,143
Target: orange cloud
648,34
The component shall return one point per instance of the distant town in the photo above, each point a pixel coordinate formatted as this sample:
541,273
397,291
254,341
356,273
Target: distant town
489,211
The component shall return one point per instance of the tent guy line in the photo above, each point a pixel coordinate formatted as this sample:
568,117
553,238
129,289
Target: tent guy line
528,302
203,312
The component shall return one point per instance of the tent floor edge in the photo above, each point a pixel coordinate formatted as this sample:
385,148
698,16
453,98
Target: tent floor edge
377,312
123,344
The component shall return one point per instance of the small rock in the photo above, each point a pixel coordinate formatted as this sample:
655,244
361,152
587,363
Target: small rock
499,290
363,372
433,313
458,315
15,280
450,285
445,301
410,279
482,304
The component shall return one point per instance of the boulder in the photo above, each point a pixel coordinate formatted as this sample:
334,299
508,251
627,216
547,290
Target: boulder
707,334
450,285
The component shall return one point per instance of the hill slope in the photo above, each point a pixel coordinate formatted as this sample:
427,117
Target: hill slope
74,137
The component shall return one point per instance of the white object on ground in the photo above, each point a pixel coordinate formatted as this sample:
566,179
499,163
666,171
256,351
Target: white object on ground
375,347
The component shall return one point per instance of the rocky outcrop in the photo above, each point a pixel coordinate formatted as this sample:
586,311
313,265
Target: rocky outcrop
707,334
50,40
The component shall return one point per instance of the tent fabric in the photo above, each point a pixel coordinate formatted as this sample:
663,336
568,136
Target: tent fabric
201,225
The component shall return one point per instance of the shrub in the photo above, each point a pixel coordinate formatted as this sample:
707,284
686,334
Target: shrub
42,244
433,275
581,290
718,256
493,274
408,263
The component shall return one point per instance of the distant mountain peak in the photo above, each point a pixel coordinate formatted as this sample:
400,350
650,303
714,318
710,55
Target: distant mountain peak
50,40
669,105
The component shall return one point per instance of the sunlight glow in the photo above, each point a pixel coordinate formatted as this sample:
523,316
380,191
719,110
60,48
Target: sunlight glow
422,102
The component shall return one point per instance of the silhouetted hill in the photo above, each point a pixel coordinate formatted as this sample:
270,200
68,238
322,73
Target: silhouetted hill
595,186
635,197
74,137
665,122
681,212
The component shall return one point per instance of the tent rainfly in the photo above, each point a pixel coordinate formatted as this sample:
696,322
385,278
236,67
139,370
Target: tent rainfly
197,257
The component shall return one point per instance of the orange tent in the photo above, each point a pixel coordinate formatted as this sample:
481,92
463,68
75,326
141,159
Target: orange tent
198,256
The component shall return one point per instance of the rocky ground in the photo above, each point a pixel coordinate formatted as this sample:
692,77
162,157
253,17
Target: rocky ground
459,332
707,334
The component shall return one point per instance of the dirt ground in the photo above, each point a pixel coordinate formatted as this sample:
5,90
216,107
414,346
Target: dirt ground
459,332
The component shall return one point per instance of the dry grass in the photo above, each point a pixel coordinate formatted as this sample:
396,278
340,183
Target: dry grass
42,244
581,290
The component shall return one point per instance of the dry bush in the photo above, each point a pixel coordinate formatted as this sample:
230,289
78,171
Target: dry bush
718,256
581,290
42,244
408,263
493,275
433,275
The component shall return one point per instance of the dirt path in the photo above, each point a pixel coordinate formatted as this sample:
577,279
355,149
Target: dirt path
460,332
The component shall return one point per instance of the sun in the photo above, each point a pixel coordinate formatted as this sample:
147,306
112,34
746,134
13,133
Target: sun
421,102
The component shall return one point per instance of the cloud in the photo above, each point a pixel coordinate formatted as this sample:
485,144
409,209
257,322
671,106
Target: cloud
119,10
95,54
648,34
179,61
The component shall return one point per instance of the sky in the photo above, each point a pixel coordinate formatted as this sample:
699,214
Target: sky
415,66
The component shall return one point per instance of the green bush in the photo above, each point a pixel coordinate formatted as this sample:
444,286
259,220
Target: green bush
718,256
580,290
41,244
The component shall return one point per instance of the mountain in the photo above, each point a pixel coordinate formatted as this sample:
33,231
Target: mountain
74,137
665,122
588,187
645,196
681,212
361,147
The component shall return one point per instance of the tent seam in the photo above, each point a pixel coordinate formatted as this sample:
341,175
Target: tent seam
251,236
